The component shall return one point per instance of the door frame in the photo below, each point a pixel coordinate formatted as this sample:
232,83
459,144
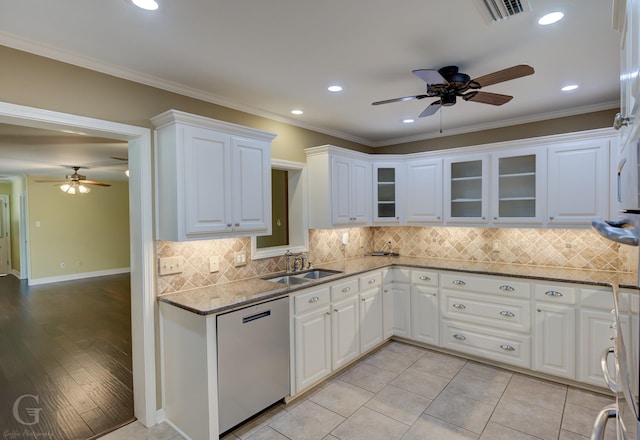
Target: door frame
7,220
142,245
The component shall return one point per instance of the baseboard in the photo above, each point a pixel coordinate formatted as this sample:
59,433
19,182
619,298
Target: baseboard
161,416
17,274
78,276
178,430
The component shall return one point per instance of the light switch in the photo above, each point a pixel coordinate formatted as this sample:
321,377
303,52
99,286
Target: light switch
170,265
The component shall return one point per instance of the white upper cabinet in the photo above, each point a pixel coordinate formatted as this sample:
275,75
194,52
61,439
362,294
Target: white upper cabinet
213,178
578,182
626,19
518,187
339,188
466,192
388,183
424,191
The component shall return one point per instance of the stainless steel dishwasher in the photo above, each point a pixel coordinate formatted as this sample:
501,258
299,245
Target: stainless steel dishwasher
253,360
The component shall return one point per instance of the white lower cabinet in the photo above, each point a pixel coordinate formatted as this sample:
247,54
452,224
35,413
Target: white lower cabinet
312,323
344,332
555,329
396,303
370,318
424,314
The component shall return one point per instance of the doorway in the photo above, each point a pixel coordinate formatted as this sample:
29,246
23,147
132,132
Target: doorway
5,237
141,237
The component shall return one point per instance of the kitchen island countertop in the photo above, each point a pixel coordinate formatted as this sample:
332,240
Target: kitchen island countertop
224,297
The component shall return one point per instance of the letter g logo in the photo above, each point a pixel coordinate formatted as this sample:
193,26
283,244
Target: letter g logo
34,413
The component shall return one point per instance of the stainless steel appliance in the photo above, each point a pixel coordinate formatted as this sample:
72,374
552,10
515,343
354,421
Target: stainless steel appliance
625,380
253,360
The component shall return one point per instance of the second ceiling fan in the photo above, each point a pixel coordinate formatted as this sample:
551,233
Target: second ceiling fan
448,83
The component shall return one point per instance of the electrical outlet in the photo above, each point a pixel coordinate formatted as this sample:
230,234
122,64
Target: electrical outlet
214,264
240,259
497,246
62,265
170,265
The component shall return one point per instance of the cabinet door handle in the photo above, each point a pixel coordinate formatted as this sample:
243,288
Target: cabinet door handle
335,310
507,347
386,291
553,293
459,337
495,218
229,225
314,299
364,299
507,313
425,278
372,281
605,369
507,288
459,306
237,225
458,282
346,289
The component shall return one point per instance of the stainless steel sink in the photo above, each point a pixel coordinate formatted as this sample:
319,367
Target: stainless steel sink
302,277
288,279
316,274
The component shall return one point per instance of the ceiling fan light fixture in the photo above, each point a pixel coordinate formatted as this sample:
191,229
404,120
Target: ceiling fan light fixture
297,112
147,5
74,188
334,88
550,18
408,121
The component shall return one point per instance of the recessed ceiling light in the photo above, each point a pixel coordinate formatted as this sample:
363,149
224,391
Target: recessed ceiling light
334,88
569,87
149,5
408,121
550,18
297,112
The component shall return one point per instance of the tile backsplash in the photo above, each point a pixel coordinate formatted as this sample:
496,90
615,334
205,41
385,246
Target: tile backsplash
569,248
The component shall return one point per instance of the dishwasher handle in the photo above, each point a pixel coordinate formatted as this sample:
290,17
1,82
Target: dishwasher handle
260,315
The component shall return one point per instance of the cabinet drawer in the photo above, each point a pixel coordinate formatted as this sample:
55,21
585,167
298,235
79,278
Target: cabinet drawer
498,345
555,293
508,287
370,280
395,275
424,277
487,310
344,289
314,299
597,298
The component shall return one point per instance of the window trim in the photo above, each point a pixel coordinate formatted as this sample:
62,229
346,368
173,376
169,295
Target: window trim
298,208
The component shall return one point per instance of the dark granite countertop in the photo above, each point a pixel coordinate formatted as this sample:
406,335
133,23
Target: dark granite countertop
223,297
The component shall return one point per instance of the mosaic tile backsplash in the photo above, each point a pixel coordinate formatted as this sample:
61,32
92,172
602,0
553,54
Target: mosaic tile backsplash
582,249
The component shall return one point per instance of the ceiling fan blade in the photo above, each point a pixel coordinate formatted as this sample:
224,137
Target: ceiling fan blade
93,182
504,75
404,98
433,107
124,159
430,76
487,98
60,181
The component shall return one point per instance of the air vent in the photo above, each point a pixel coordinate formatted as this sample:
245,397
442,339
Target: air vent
498,10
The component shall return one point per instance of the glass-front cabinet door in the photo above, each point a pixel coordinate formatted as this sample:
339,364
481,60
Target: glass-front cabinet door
387,180
466,189
517,188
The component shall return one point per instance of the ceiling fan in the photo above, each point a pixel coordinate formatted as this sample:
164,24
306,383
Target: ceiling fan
448,83
75,183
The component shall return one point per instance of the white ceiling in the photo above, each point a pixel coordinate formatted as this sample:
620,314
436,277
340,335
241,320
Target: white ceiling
269,57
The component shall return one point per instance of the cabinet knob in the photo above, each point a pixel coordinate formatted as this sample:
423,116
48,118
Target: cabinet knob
550,218
507,288
553,293
364,300
314,299
507,347
346,289
229,225
237,225
438,217
620,121
335,310
459,337
459,306
425,278
372,281
495,218
507,313
483,218
458,282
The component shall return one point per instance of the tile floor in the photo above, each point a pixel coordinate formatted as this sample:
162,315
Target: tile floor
410,393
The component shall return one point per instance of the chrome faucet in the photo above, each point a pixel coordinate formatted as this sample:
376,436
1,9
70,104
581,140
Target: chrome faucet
299,261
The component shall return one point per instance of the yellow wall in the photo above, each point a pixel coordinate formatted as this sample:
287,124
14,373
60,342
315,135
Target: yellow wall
87,232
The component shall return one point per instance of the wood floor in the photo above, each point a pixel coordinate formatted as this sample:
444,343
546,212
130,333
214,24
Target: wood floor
65,350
